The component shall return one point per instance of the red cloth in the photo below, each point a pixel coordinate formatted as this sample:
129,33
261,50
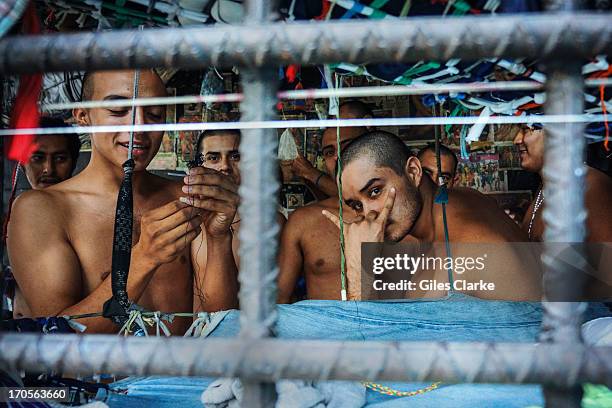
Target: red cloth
25,112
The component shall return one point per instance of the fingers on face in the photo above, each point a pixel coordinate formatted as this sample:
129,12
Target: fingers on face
389,201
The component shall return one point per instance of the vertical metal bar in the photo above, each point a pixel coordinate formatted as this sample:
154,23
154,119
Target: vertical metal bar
564,218
258,192
564,211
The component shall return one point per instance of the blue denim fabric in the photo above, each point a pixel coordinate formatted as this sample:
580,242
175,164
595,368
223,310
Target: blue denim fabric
454,318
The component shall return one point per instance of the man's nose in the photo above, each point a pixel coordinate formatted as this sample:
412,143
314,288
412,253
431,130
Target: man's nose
518,139
371,209
224,165
49,167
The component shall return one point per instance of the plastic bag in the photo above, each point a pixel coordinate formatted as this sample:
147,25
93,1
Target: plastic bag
287,149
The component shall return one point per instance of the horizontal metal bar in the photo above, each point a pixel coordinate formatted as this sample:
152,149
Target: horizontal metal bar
273,359
542,36
362,91
311,123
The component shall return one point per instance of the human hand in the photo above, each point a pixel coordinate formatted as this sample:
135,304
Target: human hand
215,193
304,168
166,231
370,228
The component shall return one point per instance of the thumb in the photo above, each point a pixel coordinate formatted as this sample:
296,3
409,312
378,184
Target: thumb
332,218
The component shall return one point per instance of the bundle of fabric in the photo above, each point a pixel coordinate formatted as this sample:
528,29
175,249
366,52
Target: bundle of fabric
228,392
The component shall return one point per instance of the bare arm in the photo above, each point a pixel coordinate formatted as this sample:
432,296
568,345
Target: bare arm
217,195
322,181
48,269
291,259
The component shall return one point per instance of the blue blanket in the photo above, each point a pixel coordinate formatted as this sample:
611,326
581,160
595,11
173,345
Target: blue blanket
455,318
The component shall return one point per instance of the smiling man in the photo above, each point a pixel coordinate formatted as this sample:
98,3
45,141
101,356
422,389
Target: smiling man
598,197
394,202
60,238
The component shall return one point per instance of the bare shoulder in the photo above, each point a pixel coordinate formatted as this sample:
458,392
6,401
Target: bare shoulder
313,212
469,201
598,200
475,217
599,184
38,205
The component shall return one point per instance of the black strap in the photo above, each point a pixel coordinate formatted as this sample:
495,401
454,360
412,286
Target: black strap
116,308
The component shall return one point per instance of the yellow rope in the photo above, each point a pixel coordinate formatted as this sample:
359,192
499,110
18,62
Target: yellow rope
383,389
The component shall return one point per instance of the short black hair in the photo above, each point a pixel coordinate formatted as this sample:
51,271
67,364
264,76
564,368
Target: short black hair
359,108
444,151
383,148
216,132
74,143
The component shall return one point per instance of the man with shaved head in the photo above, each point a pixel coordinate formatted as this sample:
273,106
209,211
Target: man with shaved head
310,245
60,238
393,201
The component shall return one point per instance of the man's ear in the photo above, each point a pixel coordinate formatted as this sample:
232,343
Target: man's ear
413,170
81,116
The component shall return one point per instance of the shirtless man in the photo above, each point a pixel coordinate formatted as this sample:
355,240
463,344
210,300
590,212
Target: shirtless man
218,150
54,158
52,162
60,238
448,163
385,187
354,109
310,246
598,198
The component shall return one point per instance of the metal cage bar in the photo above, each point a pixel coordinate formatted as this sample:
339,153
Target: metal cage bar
564,212
530,36
258,192
562,365
564,216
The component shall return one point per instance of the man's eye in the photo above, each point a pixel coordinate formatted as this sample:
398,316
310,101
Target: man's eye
212,157
155,116
235,157
118,112
36,159
374,192
329,153
61,159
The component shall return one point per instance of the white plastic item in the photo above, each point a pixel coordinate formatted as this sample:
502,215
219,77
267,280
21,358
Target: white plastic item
287,149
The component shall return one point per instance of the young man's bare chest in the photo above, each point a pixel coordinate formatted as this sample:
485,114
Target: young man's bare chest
90,233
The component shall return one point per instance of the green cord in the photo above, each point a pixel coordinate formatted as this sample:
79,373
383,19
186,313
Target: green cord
343,293
341,218
442,189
